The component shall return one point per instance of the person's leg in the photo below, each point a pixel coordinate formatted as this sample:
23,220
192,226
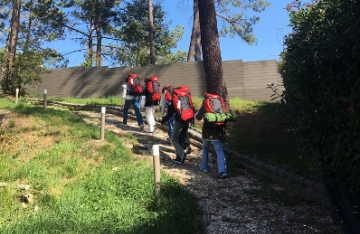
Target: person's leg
205,156
184,135
136,104
171,126
221,158
127,105
150,110
176,134
148,118
184,138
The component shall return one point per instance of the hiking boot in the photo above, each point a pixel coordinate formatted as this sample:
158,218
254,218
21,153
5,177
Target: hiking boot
142,127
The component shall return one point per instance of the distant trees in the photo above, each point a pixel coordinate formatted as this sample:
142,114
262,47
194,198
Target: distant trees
112,30
132,47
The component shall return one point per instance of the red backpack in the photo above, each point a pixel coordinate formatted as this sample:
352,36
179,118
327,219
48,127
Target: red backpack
134,82
153,88
182,101
167,90
214,104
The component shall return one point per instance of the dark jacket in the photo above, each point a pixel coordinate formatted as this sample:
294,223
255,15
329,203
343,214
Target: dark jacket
210,131
148,101
170,112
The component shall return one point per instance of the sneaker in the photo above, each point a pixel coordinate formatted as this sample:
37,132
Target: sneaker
187,150
142,127
223,175
169,140
204,170
150,133
178,160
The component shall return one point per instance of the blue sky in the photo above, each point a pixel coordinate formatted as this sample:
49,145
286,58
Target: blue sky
270,31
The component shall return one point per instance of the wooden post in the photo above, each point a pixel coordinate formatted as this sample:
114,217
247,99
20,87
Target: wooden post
102,128
156,161
45,99
17,96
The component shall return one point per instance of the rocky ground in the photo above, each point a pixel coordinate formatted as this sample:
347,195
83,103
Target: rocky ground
242,203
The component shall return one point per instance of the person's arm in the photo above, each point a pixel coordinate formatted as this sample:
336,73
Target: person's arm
123,96
200,114
169,114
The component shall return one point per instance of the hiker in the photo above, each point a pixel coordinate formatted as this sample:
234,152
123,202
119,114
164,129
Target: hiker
167,90
152,100
131,96
215,115
183,113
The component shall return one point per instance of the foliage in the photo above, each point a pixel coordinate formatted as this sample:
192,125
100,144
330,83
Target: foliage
134,45
237,19
321,73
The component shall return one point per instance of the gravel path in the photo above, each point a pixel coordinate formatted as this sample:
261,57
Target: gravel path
243,203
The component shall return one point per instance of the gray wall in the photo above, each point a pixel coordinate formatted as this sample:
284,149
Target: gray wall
245,80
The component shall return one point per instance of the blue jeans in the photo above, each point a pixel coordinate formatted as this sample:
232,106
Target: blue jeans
171,126
221,159
136,103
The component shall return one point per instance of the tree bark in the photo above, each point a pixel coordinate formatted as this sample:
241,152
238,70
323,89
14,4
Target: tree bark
211,49
151,35
194,47
10,51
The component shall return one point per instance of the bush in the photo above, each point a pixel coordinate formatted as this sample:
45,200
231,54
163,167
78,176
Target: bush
321,71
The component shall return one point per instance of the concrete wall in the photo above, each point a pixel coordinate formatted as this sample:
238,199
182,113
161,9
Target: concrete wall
245,80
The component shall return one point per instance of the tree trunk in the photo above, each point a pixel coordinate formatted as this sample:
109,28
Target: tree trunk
198,42
211,49
98,44
28,34
89,62
151,35
10,51
194,47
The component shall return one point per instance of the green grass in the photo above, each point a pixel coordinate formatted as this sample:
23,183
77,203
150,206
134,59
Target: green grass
72,179
110,100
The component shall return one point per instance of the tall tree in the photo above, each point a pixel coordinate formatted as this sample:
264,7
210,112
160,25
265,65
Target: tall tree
211,49
195,41
133,34
11,43
151,35
236,21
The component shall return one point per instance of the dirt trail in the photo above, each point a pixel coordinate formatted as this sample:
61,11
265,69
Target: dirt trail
243,203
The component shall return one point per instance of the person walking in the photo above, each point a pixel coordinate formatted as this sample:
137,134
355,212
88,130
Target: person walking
212,133
152,100
167,92
131,96
180,136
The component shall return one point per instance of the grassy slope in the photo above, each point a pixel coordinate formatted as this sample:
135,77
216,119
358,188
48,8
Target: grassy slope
81,185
